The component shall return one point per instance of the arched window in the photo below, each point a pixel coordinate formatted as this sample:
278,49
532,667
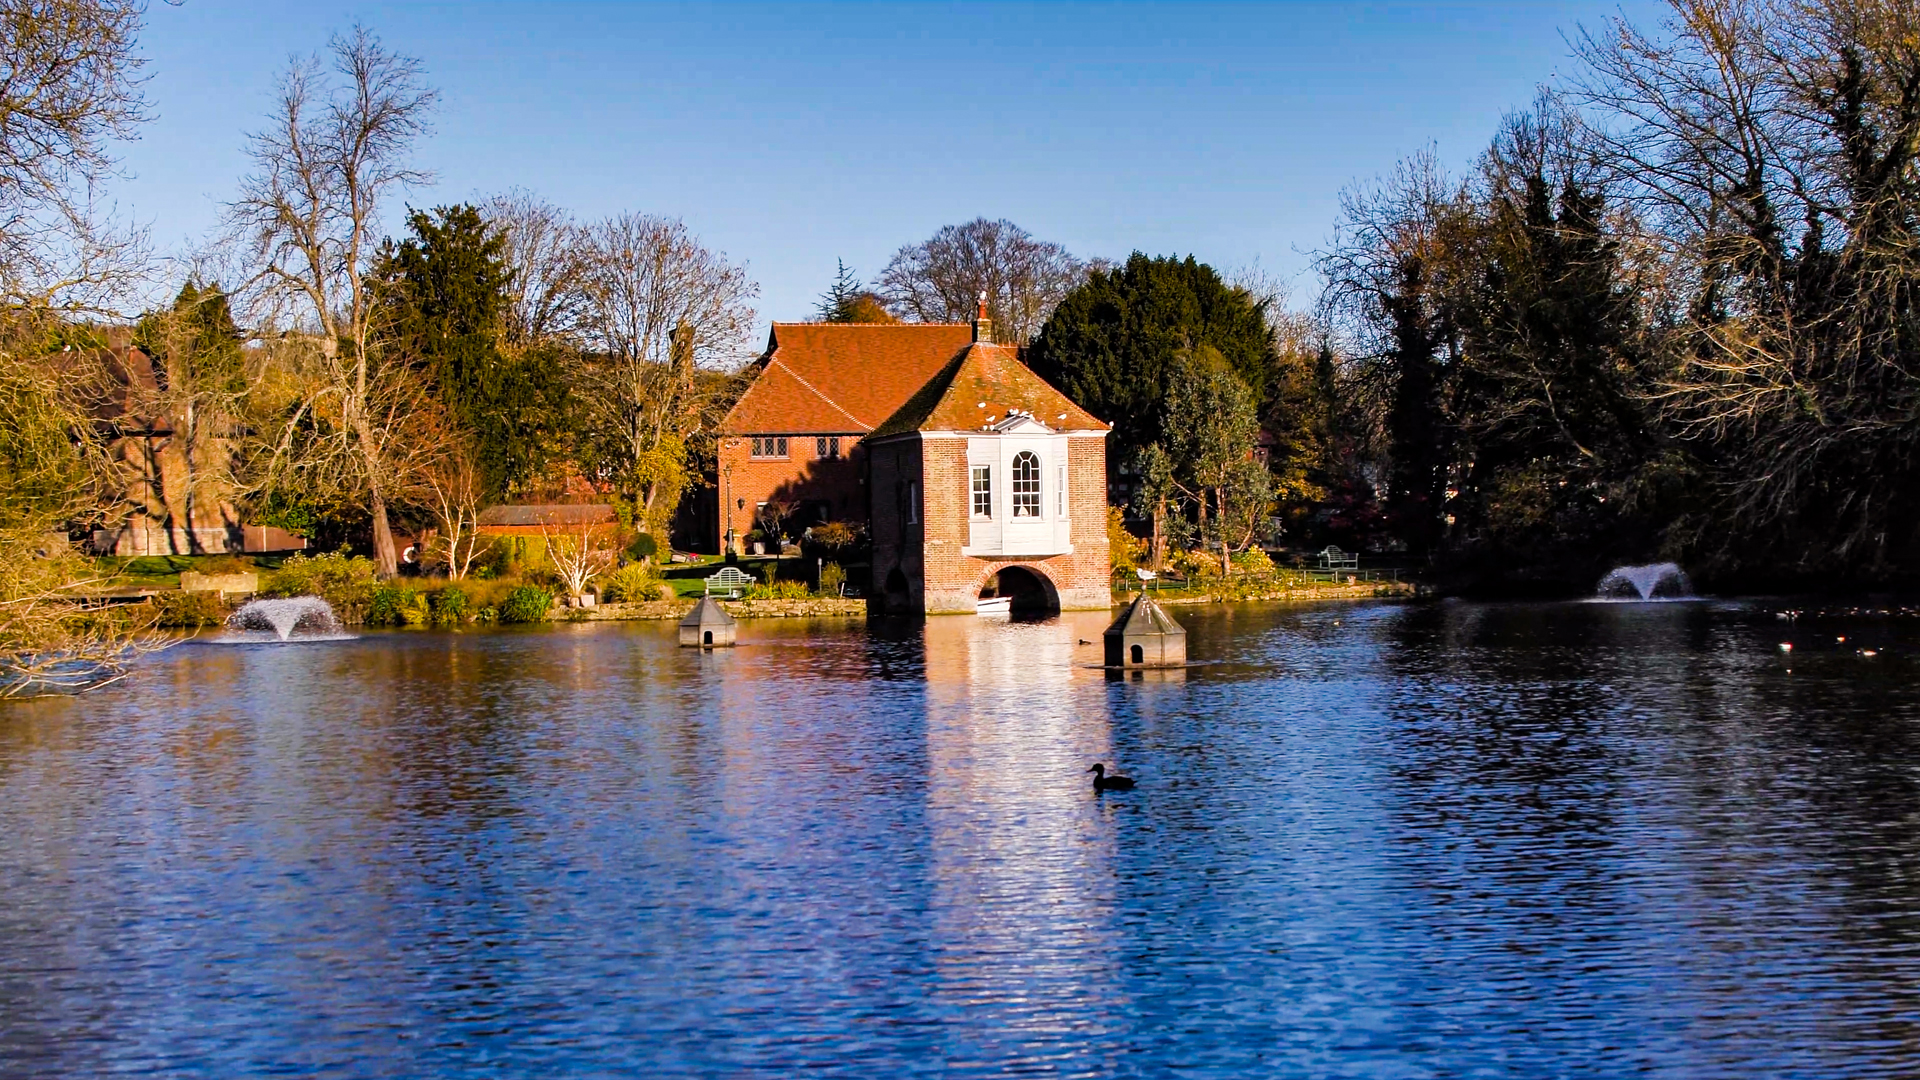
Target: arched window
1026,485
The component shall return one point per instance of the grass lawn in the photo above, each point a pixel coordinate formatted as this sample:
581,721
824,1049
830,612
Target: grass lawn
163,571
690,579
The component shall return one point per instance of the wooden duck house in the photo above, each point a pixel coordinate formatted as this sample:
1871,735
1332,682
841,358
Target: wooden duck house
707,625
1145,636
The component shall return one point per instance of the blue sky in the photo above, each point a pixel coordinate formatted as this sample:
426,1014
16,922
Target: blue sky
791,135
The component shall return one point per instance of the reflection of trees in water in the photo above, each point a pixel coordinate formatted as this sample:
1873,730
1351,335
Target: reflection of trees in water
1650,774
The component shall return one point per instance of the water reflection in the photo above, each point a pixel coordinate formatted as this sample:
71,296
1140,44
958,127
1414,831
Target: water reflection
1369,840
1023,872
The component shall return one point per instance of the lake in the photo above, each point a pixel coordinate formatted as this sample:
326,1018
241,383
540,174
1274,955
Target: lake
1434,840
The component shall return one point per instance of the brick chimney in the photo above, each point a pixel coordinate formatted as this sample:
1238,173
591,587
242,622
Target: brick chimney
983,326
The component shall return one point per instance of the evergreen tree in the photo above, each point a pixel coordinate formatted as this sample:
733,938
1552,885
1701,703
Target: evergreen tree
848,300
1113,344
1211,431
836,304
443,292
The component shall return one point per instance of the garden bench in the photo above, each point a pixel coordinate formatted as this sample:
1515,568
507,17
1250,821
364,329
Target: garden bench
731,579
1332,558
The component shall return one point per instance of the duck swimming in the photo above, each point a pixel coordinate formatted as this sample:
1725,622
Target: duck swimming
1103,782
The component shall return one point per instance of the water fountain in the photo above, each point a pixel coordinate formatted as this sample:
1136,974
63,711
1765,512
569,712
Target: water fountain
297,618
1655,581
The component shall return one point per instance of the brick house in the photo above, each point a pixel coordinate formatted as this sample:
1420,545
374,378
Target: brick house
988,481
797,435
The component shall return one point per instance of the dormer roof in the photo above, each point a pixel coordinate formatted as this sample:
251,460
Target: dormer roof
987,388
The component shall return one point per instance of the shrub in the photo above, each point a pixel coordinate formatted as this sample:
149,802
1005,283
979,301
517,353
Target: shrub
629,584
642,548
1253,563
387,606
832,577
345,583
526,604
780,590
1126,548
190,610
834,535
449,606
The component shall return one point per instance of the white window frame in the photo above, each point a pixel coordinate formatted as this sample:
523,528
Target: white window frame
826,446
980,487
1060,495
1026,503
769,448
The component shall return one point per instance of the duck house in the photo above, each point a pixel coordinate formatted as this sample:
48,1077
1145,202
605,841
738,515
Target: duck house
1145,636
707,625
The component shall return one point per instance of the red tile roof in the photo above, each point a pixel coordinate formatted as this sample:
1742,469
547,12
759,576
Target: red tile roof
979,387
831,378
556,515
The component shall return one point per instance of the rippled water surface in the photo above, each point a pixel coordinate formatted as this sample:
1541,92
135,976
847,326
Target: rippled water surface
1445,840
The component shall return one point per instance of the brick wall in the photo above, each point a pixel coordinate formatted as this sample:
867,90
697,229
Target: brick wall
746,481
941,580
896,544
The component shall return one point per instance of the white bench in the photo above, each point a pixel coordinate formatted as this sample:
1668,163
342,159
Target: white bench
731,579
1332,558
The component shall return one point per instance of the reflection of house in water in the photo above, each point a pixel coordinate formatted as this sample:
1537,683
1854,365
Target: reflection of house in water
1021,853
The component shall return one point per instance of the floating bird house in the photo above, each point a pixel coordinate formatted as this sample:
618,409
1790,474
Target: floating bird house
1145,636
707,625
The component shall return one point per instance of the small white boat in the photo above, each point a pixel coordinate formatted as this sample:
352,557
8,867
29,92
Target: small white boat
993,605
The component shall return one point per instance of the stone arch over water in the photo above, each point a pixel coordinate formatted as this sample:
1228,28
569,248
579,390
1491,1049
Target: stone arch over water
1030,587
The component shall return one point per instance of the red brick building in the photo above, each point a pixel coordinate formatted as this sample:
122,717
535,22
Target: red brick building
797,435
988,481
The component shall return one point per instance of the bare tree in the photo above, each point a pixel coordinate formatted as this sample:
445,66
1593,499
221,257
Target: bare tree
1385,286
579,552
453,490
1771,146
941,279
310,212
659,307
70,84
546,253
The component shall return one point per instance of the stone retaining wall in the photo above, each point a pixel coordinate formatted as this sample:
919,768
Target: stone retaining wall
243,583
815,608
1366,590
838,608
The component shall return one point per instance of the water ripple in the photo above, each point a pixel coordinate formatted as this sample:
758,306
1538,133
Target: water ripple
1445,840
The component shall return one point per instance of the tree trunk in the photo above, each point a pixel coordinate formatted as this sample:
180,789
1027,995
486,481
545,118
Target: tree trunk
383,553
1226,561
186,457
1158,550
